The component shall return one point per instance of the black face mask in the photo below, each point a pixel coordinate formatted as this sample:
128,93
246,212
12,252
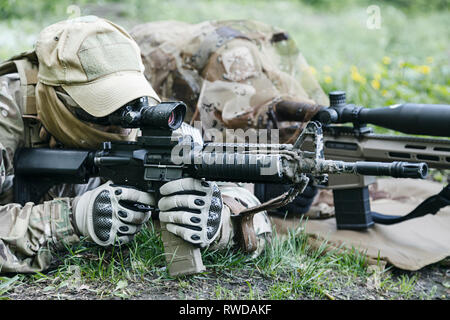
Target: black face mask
126,116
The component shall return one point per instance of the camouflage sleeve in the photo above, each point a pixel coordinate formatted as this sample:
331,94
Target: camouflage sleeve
27,233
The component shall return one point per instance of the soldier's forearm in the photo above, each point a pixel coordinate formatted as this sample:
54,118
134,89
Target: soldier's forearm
29,233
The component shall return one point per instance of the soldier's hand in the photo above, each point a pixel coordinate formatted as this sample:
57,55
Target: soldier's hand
112,214
192,210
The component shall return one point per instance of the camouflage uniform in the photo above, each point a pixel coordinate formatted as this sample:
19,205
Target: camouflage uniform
231,71
30,84
29,232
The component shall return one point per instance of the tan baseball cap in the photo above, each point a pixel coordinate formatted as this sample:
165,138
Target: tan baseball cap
95,61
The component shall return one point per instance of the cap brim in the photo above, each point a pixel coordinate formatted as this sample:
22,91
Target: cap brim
107,94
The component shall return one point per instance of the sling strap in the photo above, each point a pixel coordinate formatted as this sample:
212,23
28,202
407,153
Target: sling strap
430,205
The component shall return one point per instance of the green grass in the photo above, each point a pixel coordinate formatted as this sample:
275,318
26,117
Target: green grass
6,283
289,268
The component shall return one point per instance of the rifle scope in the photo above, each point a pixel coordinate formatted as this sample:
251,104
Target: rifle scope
411,118
166,115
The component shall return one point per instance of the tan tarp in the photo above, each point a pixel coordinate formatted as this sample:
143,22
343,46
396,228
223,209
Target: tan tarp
409,245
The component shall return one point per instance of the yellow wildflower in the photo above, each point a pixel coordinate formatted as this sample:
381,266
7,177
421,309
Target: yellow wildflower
386,60
313,70
384,92
424,69
356,76
375,84
328,79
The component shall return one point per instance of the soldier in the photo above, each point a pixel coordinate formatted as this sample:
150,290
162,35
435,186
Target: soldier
81,71
249,75
235,74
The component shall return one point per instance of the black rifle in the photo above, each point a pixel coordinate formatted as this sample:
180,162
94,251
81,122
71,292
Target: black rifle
359,142
159,156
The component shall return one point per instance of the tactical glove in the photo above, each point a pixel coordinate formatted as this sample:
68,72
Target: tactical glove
192,210
110,212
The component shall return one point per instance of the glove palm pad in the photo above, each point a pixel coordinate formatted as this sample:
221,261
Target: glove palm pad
109,212
192,210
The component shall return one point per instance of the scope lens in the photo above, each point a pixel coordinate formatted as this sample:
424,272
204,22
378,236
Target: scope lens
176,116
171,120
166,115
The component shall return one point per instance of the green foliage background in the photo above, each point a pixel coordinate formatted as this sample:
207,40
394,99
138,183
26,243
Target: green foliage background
22,8
406,59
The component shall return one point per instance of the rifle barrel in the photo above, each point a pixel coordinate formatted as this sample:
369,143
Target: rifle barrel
426,119
396,169
269,168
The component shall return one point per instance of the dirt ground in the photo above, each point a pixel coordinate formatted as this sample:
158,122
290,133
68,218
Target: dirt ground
433,282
